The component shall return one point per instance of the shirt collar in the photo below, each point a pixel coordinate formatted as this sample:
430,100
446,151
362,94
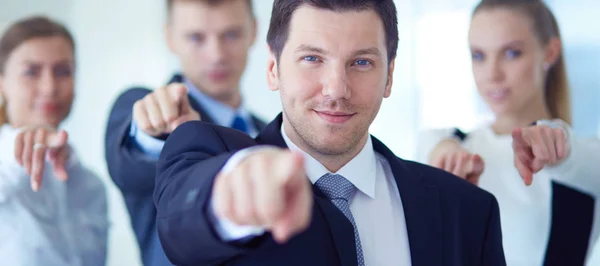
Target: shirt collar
360,171
222,114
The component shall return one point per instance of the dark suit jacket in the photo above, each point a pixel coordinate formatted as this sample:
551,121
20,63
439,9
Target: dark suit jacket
133,172
449,221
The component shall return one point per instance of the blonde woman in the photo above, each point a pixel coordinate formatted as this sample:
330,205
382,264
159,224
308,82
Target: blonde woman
544,178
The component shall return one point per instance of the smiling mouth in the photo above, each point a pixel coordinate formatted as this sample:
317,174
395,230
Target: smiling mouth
49,107
498,95
334,117
218,75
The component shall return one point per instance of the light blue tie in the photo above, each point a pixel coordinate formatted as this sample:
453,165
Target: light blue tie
339,190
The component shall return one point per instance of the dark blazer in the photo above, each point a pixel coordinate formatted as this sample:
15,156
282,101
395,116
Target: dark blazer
449,221
133,171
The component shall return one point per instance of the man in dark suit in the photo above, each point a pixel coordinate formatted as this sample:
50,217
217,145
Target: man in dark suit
211,40
314,188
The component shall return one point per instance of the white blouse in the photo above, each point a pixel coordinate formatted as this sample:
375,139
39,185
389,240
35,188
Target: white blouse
64,223
525,211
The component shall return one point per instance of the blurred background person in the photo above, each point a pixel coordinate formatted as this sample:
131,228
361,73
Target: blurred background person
53,210
211,39
543,176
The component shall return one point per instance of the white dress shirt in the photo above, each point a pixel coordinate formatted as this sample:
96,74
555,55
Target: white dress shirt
376,207
525,211
64,223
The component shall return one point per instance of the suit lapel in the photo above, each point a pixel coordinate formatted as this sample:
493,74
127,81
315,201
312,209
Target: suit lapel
341,229
259,124
271,134
203,114
422,210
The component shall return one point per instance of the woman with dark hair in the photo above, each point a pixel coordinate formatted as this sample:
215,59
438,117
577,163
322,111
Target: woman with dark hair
542,175
62,220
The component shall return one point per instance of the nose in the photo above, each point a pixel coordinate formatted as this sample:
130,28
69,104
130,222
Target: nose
494,71
335,85
215,50
48,83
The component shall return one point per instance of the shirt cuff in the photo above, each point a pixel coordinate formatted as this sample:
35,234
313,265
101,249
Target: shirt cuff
147,144
226,229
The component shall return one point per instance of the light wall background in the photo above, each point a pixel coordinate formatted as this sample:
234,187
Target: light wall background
120,44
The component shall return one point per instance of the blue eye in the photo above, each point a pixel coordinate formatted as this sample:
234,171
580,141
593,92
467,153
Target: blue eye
363,62
476,56
63,72
30,72
310,58
232,35
195,38
512,54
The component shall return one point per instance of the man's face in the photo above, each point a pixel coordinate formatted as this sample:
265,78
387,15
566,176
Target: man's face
332,75
212,43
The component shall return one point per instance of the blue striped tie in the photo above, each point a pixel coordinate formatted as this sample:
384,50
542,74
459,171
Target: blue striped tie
339,190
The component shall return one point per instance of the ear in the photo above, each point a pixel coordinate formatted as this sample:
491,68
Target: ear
272,70
553,51
169,35
390,78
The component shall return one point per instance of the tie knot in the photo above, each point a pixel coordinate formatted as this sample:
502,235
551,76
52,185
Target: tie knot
239,124
335,187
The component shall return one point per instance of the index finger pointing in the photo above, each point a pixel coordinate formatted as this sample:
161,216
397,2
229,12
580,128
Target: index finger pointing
520,138
19,144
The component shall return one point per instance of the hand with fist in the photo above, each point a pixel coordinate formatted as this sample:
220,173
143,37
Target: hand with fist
34,144
450,156
163,110
269,188
538,146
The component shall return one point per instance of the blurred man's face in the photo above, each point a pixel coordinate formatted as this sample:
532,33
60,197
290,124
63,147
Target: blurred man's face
212,43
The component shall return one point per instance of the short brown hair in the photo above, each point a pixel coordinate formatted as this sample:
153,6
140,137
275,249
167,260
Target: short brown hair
208,2
545,27
23,31
27,29
283,10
